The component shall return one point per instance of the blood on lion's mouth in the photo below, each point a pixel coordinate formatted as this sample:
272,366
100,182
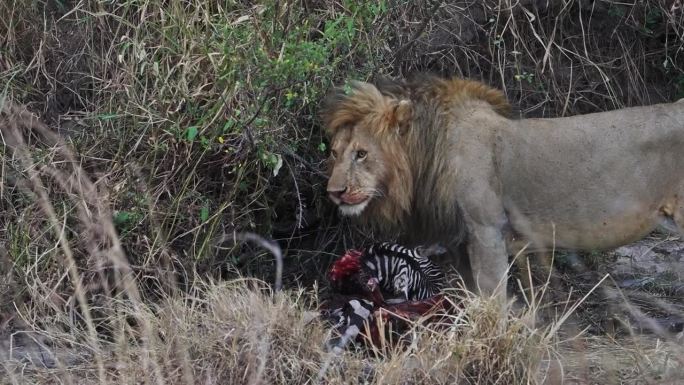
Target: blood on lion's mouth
353,199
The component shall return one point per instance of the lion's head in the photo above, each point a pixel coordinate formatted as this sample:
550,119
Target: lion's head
368,165
387,146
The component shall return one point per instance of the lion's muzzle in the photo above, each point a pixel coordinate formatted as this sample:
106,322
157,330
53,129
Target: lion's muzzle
346,197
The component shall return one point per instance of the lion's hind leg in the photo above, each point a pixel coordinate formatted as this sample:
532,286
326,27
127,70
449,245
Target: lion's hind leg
673,213
678,214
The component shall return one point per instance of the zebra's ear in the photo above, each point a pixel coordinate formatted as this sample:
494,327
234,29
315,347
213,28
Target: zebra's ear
432,250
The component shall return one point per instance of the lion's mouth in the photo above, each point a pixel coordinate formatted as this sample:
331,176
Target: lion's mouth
351,204
353,199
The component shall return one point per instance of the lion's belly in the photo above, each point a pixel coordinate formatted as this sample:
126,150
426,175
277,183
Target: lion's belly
589,209
601,231
588,182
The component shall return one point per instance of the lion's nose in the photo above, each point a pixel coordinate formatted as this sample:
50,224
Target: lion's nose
336,193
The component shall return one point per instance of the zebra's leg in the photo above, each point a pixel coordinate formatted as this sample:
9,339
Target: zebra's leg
354,316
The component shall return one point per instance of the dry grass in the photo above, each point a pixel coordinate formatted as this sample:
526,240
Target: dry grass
239,332
168,127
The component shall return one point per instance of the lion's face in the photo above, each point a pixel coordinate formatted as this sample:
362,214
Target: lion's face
357,170
369,169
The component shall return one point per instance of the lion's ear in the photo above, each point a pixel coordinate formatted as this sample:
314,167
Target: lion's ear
402,115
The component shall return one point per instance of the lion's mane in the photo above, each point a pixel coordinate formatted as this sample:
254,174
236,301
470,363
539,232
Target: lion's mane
419,202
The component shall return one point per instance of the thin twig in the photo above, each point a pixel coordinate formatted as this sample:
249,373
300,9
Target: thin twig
270,246
418,32
315,170
300,206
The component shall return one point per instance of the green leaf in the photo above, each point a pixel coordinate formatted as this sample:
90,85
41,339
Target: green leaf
204,213
121,217
277,164
350,28
322,147
192,133
229,124
107,116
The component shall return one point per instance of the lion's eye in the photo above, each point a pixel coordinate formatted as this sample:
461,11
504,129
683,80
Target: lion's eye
333,153
361,154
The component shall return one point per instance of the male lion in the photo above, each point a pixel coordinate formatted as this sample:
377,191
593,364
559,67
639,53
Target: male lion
433,157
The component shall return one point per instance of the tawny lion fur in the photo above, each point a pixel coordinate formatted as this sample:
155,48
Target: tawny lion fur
438,160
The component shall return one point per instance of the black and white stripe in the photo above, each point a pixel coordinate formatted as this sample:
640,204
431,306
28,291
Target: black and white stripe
352,318
404,274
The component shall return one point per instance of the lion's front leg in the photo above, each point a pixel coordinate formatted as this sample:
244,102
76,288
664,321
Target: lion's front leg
479,194
488,259
485,219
